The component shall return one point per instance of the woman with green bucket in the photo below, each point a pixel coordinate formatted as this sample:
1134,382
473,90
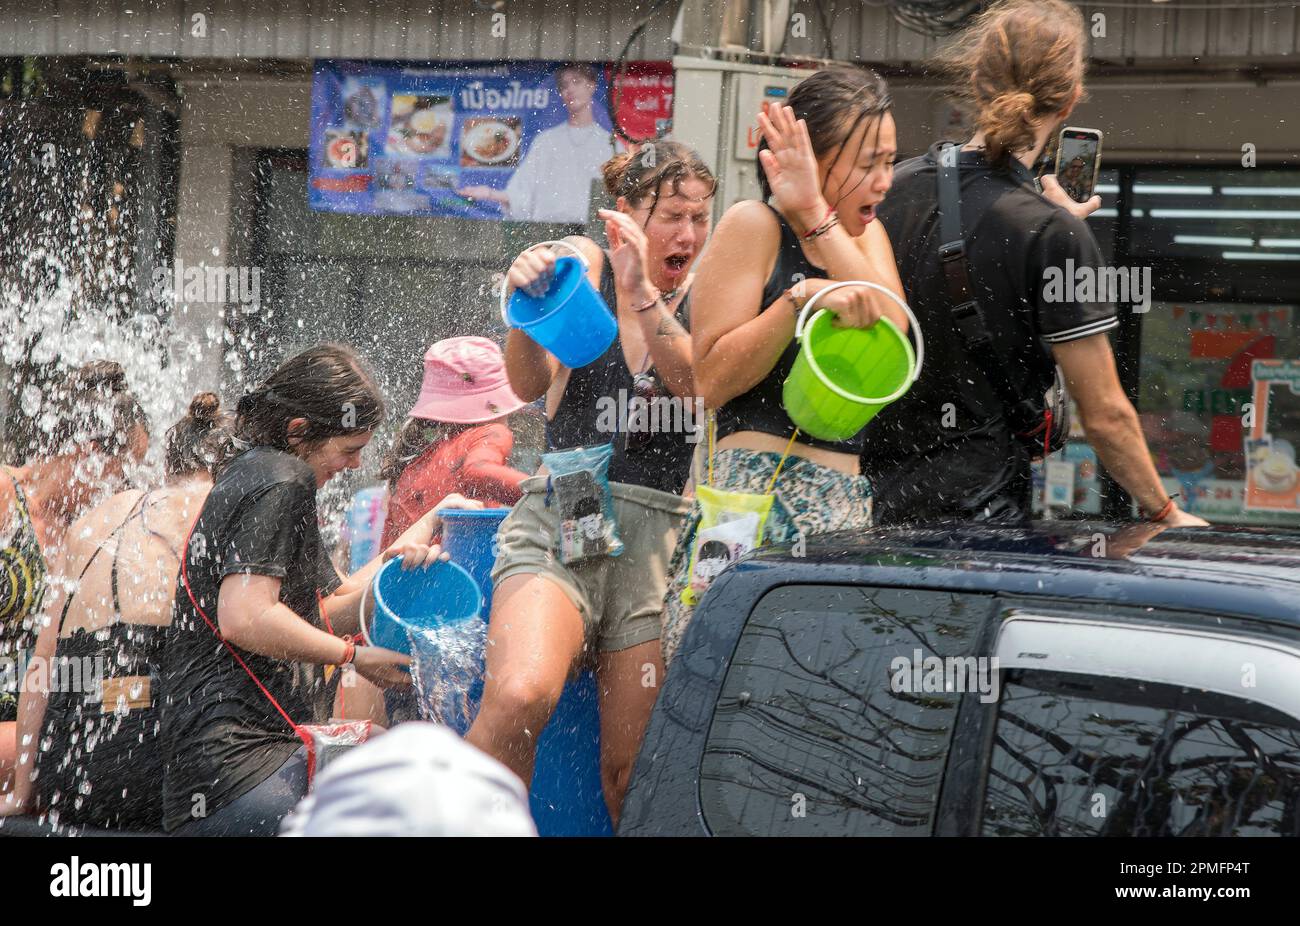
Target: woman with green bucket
827,162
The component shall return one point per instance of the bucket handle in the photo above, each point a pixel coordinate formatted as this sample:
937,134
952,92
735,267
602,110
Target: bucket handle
361,613
505,285
801,325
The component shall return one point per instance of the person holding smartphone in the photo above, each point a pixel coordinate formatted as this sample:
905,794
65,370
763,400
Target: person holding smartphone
947,450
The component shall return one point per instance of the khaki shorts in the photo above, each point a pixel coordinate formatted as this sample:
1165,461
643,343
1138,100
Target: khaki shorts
619,597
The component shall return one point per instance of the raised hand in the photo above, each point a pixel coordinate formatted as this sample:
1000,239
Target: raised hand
1053,192
627,252
532,271
791,166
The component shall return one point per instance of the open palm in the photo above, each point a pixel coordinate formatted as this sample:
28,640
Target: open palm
789,162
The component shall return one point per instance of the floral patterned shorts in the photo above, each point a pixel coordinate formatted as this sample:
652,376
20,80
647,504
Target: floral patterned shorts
810,499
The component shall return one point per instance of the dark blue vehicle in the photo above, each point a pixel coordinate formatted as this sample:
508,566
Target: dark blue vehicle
1146,683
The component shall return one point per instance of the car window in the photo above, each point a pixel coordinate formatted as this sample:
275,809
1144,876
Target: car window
1080,755
818,729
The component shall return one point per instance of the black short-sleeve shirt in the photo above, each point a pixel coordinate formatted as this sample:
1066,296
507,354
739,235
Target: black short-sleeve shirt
1013,236
220,734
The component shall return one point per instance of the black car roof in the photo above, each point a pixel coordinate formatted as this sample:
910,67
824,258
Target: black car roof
1230,570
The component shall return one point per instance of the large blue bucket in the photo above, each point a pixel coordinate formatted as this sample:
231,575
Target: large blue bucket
570,320
567,798
418,599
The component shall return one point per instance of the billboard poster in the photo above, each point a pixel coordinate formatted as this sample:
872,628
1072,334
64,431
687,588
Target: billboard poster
1271,474
519,141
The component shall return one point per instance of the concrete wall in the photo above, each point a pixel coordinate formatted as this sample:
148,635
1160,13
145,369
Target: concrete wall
218,118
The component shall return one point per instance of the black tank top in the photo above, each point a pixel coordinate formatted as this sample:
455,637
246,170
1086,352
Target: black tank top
595,409
101,764
761,409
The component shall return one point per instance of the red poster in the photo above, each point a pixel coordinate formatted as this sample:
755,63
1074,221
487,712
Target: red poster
643,99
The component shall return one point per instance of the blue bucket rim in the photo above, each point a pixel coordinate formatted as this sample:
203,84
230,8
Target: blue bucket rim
473,514
396,562
568,283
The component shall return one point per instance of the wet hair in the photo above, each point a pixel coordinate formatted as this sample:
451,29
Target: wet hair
202,441
640,173
91,403
1019,61
415,437
326,385
833,103
586,70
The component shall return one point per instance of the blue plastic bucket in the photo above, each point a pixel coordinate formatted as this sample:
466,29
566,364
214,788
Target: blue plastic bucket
570,320
567,798
439,593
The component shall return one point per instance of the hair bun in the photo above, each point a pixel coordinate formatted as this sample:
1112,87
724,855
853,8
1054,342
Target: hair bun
614,169
104,375
1015,104
204,408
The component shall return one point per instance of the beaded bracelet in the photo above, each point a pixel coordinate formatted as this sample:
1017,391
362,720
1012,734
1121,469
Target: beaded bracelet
1165,511
831,220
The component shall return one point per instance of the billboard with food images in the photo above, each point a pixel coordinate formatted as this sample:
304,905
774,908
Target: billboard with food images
520,141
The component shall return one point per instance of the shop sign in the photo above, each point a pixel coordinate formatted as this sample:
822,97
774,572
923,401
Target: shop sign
521,141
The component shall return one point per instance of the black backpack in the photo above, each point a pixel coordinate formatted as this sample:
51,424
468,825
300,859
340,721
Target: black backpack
1040,421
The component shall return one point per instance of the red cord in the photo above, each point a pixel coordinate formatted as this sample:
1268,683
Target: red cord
298,731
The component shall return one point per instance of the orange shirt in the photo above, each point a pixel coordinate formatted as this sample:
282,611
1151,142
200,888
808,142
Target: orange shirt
473,463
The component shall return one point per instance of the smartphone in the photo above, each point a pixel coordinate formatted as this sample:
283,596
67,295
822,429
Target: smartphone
1078,159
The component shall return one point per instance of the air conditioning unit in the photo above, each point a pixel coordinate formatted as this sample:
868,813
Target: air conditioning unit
715,110
756,26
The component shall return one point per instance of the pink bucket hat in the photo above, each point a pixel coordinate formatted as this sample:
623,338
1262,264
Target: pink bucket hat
465,383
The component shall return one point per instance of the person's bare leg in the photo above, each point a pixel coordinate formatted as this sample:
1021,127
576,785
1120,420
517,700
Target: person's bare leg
629,683
534,637
8,755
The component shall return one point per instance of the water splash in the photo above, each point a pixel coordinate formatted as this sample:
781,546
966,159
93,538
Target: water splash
446,662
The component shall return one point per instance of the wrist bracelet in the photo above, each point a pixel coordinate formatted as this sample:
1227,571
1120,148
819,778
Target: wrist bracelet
832,219
349,651
647,306
830,210
1164,512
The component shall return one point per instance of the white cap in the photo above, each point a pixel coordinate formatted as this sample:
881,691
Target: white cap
418,779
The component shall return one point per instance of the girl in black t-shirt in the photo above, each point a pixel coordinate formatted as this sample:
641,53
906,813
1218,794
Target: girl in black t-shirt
256,566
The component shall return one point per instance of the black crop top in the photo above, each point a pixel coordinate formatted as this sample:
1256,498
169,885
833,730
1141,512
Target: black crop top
590,406
761,408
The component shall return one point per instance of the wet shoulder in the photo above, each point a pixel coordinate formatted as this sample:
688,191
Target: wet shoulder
261,468
92,529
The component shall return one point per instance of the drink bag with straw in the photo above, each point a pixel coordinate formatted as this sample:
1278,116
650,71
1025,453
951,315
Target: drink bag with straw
579,484
731,524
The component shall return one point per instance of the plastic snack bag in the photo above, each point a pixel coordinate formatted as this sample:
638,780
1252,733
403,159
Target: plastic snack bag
579,486
718,547
720,508
330,741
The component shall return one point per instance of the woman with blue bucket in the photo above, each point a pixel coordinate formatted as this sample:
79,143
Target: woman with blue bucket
789,402
583,557
261,614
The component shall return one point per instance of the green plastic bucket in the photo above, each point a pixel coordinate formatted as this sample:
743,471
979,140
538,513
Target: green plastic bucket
843,377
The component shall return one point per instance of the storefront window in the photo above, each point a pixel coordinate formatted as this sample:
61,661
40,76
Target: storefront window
1223,250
